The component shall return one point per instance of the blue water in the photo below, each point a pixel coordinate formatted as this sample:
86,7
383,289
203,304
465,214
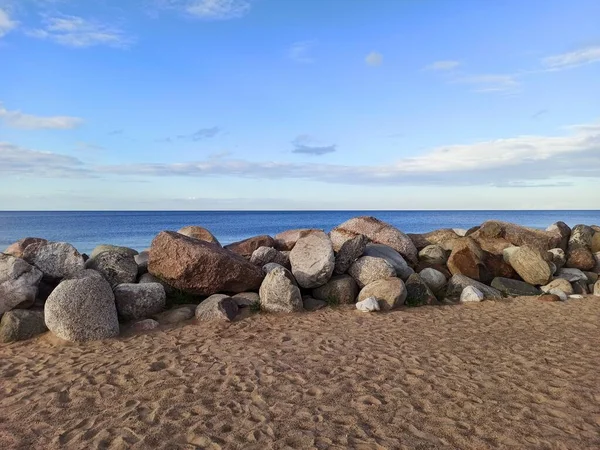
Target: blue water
135,229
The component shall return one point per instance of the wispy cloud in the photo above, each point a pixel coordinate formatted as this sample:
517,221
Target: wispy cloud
209,9
491,82
75,31
572,59
539,113
443,65
374,59
300,52
115,132
17,119
201,134
19,161
6,23
308,145
88,147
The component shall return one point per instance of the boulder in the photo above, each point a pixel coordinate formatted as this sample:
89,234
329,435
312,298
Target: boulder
444,238
576,296
21,324
199,233
149,278
562,296
390,292
558,257
367,269
56,260
391,256
571,275
462,232
139,301
579,253
144,325
115,267
368,305
596,268
142,262
440,268
217,307
339,290
266,255
596,290
595,244
349,252
279,294
494,236
592,277
378,232
176,315
471,294
85,273
270,266
560,284
580,287
18,248
434,279
312,304
245,299
466,259
82,310
312,260
199,267
246,247
433,254
514,288
531,265
286,240
418,293
112,248
562,231
19,282
495,266
457,283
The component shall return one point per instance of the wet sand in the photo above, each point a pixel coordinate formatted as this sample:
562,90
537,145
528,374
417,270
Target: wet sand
518,374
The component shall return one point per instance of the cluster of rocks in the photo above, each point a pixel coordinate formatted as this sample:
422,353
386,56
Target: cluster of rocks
363,262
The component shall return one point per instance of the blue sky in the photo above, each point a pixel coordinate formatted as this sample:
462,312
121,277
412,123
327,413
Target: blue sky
299,104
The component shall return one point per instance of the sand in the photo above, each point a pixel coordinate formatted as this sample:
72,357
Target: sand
519,374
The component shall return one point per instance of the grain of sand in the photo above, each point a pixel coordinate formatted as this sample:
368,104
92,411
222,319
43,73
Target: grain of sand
519,374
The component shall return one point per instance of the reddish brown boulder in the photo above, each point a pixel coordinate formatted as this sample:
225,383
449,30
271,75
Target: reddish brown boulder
579,253
246,247
199,267
443,237
466,259
199,233
286,240
18,248
549,298
494,236
378,232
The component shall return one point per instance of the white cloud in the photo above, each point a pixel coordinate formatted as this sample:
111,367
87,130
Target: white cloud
6,24
374,59
443,65
17,119
300,52
491,83
573,59
209,9
21,161
74,31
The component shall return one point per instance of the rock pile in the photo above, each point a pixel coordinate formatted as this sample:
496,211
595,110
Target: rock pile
363,262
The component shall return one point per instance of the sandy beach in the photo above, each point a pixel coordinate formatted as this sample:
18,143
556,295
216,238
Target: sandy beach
514,374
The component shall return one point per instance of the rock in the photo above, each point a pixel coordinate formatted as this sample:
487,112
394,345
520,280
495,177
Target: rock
558,257
580,287
312,260
596,268
199,233
82,310
44,290
563,296
433,254
270,266
596,290
312,304
139,301
558,284
457,283
112,248
418,293
471,294
149,278
349,252
434,279
115,267
85,273
245,299
443,238
266,255
246,247
550,298
279,294
339,290
199,267
494,236
144,325
369,304
579,253
576,296
571,275
18,283
440,268
378,232
514,288
595,244
495,266
56,260
17,249
592,277
391,292
460,231
467,259
531,265
508,252
391,256
142,262
21,324
217,307
286,240
367,269
562,231
176,315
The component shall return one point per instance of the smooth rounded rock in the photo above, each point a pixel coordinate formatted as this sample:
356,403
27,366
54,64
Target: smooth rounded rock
368,269
115,267
266,255
349,252
139,301
418,293
560,284
403,270
279,294
312,260
514,288
433,254
21,324
369,304
471,294
391,292
217,307
339,290
246,247
19,283
531,265
56,260
433,278
112,248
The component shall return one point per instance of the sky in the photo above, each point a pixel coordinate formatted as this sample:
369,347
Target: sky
299,104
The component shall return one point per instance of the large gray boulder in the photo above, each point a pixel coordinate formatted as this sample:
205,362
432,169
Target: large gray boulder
149,278
349,252
217,307
278,293
418,293
390,292
82,310
339,290
403,270
141,260
457,283
139,301
433,278
531,264
19,282
433,254
265,255
21,324
367,269
571,275
514,288
112,248
312,260
56,260
115,267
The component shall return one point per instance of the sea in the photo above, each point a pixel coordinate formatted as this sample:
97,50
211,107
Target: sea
136,229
